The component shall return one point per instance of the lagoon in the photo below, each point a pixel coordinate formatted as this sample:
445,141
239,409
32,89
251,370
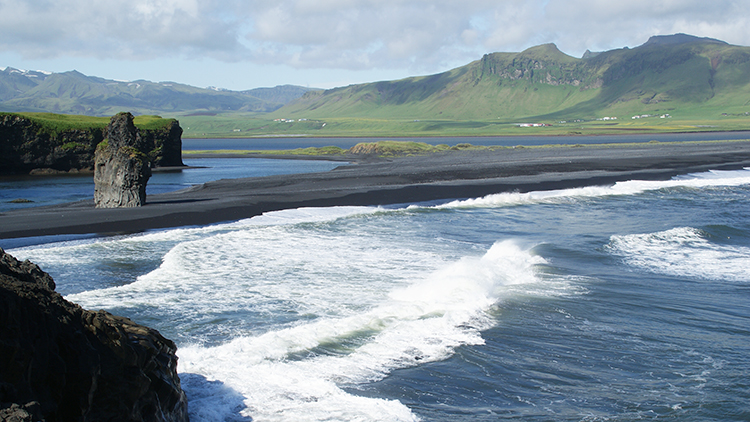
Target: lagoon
272,143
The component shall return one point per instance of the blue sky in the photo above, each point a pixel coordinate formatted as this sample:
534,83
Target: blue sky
245,44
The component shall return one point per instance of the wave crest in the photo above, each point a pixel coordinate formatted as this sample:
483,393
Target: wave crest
684,252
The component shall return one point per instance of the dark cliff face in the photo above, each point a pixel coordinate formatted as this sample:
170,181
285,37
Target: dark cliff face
26,147
164,145
60,362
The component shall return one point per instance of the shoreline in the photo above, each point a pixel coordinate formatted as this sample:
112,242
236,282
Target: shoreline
401,180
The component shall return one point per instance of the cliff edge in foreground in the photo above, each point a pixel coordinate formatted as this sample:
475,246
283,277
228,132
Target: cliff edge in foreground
59,362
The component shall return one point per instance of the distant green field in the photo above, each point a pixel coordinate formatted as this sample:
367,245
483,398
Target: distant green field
243,125
252,125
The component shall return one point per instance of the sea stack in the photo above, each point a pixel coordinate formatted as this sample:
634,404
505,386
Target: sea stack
122,167
60,362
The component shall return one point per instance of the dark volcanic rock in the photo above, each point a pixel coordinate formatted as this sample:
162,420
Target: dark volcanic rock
59,362
164,145
122,168
26,146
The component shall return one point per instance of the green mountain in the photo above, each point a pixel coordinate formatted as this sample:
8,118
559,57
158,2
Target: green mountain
667,73
75,93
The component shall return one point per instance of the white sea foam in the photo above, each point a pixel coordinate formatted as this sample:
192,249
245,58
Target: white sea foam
293,216
714,178
304,215
300,372
683,251
281,262
65,258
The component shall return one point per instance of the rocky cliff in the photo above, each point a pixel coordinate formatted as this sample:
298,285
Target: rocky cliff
121,166
43,143
59,362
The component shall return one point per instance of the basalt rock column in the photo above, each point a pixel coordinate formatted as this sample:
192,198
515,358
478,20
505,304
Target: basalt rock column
122,168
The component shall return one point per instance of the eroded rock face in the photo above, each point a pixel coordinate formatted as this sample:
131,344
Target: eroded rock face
59,362
28,147
122,168
164,145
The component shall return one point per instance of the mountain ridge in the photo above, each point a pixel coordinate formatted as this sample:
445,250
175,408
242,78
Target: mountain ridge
665,73
679,39
72,92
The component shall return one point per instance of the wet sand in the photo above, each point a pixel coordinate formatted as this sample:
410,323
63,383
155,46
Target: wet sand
450,175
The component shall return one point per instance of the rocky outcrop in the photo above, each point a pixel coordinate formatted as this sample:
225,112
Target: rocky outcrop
396,148
60,362
25,146
164,144
122,167
30,145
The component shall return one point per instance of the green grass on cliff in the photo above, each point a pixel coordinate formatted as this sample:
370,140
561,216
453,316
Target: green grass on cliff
58,123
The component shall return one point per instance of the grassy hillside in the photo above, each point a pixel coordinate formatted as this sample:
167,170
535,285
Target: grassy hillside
699,83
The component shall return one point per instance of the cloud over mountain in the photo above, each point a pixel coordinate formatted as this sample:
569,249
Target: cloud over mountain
349,34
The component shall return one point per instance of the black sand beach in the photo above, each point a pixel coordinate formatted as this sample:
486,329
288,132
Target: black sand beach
455,174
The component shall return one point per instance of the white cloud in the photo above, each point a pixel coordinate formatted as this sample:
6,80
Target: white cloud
140,29
590,24
420,35
355,34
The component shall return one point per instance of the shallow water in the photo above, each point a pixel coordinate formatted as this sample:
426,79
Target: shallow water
622,302
508,141
51,190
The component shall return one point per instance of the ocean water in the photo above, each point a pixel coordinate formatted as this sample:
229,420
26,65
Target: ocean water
609,303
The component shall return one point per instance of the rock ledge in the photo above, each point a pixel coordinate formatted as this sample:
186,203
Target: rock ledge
60,362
